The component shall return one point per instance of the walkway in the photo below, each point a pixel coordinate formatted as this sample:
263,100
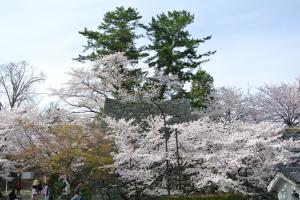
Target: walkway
26,195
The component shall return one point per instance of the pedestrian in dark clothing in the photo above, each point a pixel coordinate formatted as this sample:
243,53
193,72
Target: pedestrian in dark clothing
40,188
18,187
12,195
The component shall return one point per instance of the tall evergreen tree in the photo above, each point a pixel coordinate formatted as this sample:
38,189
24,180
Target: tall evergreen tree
115,34
174,50
201,89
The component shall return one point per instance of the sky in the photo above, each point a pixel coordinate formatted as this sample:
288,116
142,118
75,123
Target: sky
257,41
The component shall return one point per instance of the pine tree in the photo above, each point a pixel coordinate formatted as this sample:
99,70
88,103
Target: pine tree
201,89
175,51
115,34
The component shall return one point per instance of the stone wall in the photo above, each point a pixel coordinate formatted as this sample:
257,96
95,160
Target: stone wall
178,109
105,191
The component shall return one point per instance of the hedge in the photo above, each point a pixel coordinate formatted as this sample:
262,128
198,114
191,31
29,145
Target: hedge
205,197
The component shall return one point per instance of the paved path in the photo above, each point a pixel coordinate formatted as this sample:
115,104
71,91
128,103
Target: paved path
26,195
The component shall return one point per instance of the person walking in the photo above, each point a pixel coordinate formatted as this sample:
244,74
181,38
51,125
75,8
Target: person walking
39,188
34,188
18,187
45,191
35,183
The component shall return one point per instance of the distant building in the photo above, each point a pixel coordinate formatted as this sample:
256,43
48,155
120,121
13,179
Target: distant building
286,183
27,176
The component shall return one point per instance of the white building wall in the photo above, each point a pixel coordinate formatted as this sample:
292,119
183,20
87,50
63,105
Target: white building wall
287,190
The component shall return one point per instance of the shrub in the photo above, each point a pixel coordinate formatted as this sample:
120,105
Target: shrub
205,197
86,191
56,187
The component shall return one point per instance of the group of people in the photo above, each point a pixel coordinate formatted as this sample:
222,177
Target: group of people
38,188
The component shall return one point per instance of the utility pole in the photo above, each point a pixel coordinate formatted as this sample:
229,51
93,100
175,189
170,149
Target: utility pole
178,162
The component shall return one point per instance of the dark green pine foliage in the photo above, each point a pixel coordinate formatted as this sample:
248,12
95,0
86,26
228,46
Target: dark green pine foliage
117,33
175,51
201,90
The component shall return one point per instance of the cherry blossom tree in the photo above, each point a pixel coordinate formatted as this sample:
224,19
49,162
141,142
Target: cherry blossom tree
88,87
231,156
83,91
15,137
235,156
229,103
55,141
6,165
108,77
140,155
152,88
279,103
26,132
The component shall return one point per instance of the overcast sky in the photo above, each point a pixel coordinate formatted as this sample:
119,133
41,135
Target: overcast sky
257,41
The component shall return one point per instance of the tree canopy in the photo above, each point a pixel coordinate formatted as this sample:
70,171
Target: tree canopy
175,51
201,90
117,33
171,50
215,155
279,103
